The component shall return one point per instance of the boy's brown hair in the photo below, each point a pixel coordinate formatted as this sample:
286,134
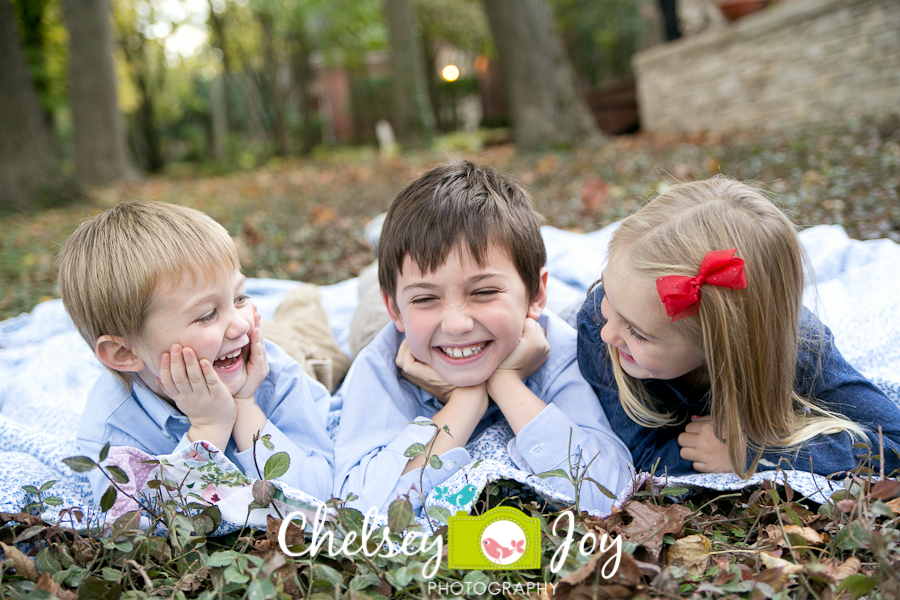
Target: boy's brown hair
112,268
461,203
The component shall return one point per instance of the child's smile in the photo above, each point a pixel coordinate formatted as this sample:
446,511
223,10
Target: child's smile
212,318
463,319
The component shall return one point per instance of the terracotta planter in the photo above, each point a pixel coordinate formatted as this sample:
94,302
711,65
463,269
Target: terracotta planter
735,9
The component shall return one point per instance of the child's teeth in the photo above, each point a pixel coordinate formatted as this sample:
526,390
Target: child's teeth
463,352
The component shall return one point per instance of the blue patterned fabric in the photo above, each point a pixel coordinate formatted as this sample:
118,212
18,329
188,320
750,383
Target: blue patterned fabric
46,369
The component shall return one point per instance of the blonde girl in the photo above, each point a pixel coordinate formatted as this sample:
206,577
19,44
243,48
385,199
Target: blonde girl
702,355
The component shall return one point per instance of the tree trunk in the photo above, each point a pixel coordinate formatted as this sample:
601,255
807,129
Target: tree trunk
29,162
303,75
539,81
100,150
413,115
279,124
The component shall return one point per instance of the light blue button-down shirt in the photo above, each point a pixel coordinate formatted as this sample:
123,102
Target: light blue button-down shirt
378,405
295,406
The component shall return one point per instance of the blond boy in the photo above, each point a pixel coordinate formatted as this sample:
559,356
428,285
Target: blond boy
157,292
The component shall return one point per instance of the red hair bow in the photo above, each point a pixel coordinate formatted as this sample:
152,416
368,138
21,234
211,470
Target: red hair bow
681,294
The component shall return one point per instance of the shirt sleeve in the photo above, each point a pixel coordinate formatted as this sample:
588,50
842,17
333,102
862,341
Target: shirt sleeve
376,430
825,377
653,449
572,432
296,408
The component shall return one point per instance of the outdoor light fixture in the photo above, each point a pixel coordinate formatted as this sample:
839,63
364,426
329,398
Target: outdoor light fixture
450,73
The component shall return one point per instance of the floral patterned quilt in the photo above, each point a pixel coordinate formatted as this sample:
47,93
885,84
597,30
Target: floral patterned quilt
46,371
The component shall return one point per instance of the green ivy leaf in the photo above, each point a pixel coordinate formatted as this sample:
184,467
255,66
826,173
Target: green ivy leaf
233,575
416,449
261,589
214,514
128,522
673,491
79,464
277,465
400,515
399,578
553,473
53,501
361,582
436,463
220,559
602,489
47,485
858,585
118,474
31,489
351,497
108,499
267,442
330,575
439,514
104,452
110,574
45,563
352,519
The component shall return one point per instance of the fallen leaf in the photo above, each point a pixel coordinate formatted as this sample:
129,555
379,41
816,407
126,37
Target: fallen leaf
651,522
773,562
836,571
46,584
594,195
886,489
586,583
894,505
810,535
21,563
691,551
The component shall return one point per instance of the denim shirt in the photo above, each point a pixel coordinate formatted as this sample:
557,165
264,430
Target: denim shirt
295,406
822,375
379,404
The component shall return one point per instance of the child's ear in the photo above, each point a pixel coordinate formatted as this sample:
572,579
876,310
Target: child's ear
536,307
115,352
395,315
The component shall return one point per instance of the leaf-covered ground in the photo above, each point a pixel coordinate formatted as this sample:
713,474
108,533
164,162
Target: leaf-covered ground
304,220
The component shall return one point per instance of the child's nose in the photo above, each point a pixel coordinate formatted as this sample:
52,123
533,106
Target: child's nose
456,322
238,326
610,335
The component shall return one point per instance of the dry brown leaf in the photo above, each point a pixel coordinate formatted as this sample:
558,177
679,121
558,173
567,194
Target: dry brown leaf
584,584
46,584
651,522
836,571
292,537
692,551
21,563
885,489
810,535
773,562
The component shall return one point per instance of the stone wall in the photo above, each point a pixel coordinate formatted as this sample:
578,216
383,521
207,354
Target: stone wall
798,61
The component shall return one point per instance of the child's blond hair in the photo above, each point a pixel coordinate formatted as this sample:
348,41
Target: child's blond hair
112,268
749,337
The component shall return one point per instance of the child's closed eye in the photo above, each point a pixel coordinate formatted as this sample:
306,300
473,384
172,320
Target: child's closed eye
635,334
422,300
486,293
208,317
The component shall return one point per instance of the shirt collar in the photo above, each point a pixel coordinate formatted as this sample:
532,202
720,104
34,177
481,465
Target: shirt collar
158,409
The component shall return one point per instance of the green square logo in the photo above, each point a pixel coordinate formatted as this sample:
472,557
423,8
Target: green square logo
503,538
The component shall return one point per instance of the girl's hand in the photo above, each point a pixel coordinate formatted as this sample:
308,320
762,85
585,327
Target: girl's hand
195,388
422,375
257,365
701,446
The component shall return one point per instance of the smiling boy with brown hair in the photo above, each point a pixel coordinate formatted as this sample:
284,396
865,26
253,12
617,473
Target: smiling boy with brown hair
461,268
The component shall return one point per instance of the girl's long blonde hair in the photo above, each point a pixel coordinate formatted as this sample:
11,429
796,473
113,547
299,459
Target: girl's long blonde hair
748,338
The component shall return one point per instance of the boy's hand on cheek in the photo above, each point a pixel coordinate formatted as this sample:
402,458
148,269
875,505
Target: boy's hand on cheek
528,355
257,365
422,375
198,392
700,446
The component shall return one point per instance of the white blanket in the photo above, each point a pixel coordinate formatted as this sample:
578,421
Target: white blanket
46,369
